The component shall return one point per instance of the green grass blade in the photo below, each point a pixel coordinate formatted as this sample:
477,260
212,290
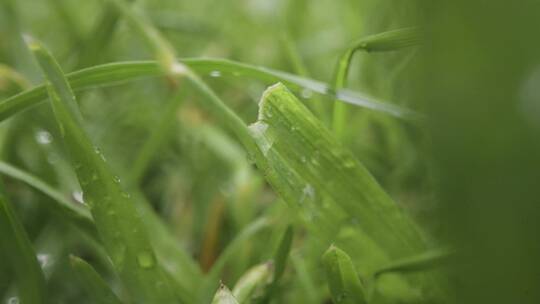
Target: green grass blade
212,279
116,73
78,214
224,296
306,165
420,262
118,223
342,279
312,151
387,41
280,261
21,256
251,285
96,288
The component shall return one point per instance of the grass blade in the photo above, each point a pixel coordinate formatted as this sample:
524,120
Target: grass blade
93,284
78,214
21,256
420,262
341,277
224,296
250,286
315,154
115,73
212,279
280,261
387,41
301,155
117,220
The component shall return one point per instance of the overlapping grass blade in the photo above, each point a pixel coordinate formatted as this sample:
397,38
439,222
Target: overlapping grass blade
224,296
387,41
342,279
21,256
252,284
78,214
115,73
212,279
280,261
310,150
118,222
300,155
96,288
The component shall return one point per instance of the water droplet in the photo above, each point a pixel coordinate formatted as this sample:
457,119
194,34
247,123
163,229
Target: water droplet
119,252
215,74
78,196
117,179
43,137
145,259
98,152
13,300
308,193
306,93
125,194
43,259
303,159
348,163
178,69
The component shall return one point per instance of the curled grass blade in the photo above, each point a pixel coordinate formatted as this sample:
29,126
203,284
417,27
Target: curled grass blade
342,279
224,296
21,256
120,72
387,41
118,222
252,283
96,288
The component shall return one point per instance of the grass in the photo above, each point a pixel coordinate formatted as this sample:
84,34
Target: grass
212,152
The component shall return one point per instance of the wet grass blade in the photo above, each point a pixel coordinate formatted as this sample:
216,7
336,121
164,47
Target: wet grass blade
387,41
251,285
116,73
311,150
118,222
96,288
224,296
21,256
342,279
306,165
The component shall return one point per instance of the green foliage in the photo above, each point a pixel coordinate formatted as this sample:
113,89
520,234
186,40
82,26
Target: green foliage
384,132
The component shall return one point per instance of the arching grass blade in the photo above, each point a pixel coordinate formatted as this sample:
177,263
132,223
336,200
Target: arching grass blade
95,287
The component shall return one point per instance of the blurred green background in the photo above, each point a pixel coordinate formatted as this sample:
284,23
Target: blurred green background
468,174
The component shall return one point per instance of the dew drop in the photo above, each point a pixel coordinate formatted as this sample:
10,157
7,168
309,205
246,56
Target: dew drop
215,74
13,300
78,196
125,194
98,152
117,179
145,259
306,93
43,259
43,137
